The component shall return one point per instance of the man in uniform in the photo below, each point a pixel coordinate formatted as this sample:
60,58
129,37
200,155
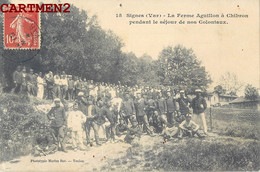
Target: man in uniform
170,107
70,88
94,120
128,109
17,78
50,84
58,123
43,143
199,105
141,105
183,102
31,81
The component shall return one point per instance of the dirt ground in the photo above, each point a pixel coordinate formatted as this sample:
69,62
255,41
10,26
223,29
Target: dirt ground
110,156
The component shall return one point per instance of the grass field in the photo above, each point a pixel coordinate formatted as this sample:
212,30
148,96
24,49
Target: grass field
232,145
235,122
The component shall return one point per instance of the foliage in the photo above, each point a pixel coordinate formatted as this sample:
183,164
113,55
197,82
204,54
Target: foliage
178,66
230,83
219,90
19,123
75,43
251,93
70,39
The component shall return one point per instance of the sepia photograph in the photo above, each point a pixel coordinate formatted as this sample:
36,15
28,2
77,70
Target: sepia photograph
129,85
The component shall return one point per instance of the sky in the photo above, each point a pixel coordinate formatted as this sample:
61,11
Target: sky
221,48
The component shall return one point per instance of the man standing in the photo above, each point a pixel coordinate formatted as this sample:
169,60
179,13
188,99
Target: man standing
183,107
199,105
56,88
31,80
50,84
170,107
128,109
106,113
76,120
94,119
70,88
58,123
17,78
141,115
64,85
40,86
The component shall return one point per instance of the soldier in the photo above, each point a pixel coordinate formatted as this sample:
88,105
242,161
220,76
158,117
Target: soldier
17,78
105,112
77,85
24,83
170,107
94,120
141,105
43,143
161,106
31,81
40,86
159,124
50,84
133,132
58,123
151,105
128,109
184,103
56,87
83,103
199,105
64,85
70,88
121,128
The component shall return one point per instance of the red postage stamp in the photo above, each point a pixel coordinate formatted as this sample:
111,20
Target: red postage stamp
22,30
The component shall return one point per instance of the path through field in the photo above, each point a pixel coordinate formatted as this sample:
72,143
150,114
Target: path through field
109,156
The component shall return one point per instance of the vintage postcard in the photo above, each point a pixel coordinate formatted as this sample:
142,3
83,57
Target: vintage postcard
129,85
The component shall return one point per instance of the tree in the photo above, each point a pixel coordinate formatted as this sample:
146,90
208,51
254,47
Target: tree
179,67
230,82
251,93
71,42
219,90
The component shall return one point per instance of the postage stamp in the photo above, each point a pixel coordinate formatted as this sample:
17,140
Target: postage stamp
22,30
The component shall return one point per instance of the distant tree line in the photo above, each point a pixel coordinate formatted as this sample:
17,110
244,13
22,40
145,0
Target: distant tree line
75,43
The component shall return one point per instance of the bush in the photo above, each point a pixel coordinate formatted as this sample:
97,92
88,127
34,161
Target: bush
19,123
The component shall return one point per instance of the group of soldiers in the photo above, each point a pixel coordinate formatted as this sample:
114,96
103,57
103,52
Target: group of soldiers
81,106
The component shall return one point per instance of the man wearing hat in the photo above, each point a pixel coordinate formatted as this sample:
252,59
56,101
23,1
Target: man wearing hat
170,107
184,103
142,119
127,108
58,123
199,105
